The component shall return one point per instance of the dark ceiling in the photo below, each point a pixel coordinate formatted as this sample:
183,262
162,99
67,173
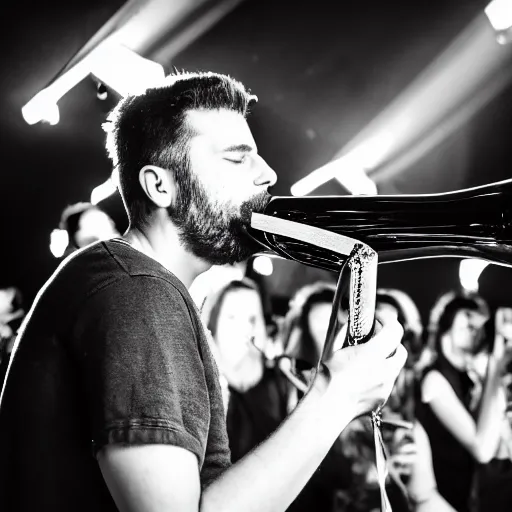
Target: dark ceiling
321,69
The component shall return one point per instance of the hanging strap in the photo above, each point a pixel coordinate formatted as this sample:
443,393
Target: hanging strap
380,461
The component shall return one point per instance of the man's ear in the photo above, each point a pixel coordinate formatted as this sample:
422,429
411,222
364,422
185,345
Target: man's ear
158,185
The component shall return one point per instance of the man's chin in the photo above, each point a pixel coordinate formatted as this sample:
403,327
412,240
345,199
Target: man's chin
243,245
257,204
220,241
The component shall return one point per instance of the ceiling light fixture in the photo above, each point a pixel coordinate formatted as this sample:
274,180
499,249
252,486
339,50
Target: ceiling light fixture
499,13
470,271
106,189
263,265
114,65
59,241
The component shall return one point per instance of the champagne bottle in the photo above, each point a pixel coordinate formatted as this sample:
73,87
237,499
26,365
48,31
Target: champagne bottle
470,223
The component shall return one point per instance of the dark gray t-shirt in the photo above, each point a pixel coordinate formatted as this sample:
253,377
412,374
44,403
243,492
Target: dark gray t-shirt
113,352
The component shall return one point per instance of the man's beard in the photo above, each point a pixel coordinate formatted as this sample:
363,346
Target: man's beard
216,233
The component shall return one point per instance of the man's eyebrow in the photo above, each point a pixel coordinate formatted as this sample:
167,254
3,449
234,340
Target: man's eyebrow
239,148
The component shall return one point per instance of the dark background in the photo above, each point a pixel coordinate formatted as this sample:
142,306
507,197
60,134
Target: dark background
322,70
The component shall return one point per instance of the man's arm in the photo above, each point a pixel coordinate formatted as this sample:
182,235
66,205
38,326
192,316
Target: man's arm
151,477
165,478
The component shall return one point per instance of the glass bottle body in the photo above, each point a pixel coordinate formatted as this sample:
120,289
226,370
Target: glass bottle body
468,223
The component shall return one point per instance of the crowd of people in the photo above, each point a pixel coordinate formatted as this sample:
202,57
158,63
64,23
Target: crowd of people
445,425
121,392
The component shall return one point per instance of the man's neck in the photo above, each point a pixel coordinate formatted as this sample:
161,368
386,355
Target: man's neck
162,243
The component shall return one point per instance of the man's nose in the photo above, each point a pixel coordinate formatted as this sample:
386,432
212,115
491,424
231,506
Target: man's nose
265,174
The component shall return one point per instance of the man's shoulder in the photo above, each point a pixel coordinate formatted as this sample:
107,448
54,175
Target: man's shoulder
111,265
107,262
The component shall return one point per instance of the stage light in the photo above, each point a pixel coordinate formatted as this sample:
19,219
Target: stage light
263,265
125,71
499,13
59,241
470,271
102,191
349,169
346,169
106,189
458,83
114,65
41,108
162,27
357,183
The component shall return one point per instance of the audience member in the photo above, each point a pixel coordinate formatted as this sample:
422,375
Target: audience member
304,332
460,437
85,224
307,321
258,394
493,481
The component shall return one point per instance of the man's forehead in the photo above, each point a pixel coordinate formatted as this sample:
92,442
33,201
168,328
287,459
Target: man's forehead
223,128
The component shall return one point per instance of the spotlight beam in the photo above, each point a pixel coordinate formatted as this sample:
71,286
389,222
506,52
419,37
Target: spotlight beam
444,129
452,80
140,28
113,64
470,271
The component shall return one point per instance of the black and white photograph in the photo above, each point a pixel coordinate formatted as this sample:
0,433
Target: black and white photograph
256,256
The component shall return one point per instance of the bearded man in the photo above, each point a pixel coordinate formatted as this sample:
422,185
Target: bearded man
112,400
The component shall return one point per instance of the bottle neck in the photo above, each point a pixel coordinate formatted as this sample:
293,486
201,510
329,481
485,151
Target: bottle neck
468,223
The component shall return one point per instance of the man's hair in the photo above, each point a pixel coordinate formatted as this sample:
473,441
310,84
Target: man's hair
151,129
70,219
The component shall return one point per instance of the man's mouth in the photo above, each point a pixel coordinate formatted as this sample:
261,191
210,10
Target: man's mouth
257,204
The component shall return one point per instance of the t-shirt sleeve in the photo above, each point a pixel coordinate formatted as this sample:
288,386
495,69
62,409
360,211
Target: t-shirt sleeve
141,367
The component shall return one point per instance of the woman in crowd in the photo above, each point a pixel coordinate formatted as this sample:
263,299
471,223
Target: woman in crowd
257,399
306,323
460,434
493,480
260,395
260,398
